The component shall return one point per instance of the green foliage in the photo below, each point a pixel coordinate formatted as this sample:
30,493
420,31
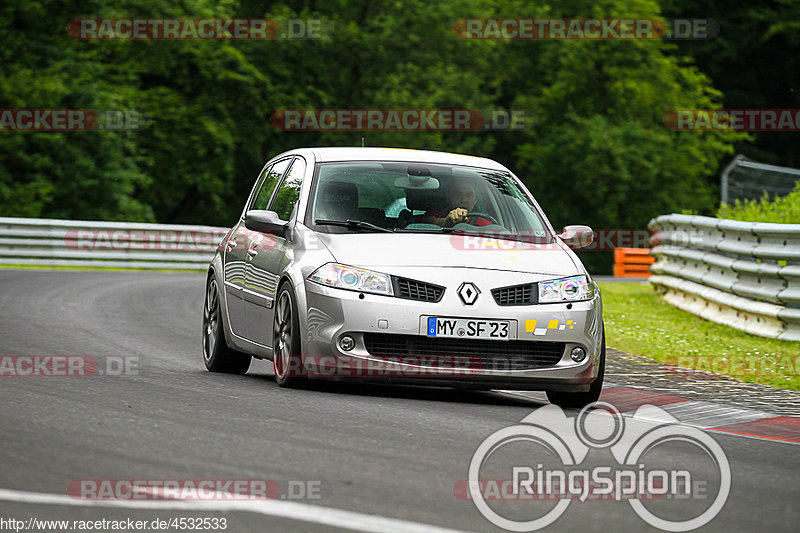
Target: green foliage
783,210
598,152
754,61
83,175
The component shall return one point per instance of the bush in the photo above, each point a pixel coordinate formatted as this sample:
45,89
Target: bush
783,210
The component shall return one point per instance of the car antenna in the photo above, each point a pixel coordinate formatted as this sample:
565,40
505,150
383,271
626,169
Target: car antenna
362,142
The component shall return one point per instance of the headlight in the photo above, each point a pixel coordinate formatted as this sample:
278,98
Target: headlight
571,289
352,278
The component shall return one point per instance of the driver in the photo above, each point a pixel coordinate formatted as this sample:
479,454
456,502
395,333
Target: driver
460,200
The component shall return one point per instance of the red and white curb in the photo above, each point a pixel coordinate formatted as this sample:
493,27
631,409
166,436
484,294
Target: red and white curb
704,415
707,415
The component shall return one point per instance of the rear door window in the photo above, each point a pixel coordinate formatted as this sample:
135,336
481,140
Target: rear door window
270,178
285,202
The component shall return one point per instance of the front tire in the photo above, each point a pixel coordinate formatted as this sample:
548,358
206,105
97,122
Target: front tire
578,400
287,362
217,355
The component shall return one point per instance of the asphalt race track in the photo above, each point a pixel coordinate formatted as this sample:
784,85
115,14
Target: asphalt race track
372,458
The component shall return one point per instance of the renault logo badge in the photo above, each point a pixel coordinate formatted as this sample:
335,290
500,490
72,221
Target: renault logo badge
468,293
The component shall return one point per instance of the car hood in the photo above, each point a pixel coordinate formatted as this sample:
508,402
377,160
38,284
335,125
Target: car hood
377,250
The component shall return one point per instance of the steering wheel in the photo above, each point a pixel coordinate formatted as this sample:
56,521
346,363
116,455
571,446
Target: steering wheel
476,214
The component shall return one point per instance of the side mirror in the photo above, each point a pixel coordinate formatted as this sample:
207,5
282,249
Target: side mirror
577,236
264,221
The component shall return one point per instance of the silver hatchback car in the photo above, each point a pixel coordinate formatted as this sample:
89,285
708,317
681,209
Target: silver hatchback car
408,266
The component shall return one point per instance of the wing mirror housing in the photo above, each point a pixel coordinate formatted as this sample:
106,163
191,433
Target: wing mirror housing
265,222
577,236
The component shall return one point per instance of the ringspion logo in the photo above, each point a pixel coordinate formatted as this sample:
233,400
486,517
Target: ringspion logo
543,458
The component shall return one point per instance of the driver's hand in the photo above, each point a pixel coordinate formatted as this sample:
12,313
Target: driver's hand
456,215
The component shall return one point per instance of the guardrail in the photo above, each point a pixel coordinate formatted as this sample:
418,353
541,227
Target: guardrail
743,179
742,274
49,242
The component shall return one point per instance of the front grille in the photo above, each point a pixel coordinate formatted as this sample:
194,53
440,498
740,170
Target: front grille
516,295
417,290
473,353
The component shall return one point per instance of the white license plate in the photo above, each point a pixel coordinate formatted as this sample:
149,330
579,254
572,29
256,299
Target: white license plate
468,328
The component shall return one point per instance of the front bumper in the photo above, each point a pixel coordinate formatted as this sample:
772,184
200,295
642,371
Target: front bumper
334,313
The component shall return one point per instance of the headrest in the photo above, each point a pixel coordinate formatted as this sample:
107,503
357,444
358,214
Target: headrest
420,200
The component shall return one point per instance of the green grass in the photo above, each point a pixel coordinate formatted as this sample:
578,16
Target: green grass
638,321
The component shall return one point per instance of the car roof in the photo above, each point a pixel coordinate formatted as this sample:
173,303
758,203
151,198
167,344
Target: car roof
328,154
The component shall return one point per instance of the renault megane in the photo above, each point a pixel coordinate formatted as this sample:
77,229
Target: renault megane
406,265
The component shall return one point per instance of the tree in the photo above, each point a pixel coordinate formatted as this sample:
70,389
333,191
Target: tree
754,61
600,153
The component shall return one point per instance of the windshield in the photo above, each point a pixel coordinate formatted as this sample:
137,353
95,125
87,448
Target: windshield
417,197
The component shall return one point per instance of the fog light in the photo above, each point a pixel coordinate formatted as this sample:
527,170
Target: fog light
578,354
347,343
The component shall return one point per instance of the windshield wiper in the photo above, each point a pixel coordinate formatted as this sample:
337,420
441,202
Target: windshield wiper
351,224
543,239
432,231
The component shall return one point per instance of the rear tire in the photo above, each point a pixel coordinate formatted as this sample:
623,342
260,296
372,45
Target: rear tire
287,362
578,400
217,355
